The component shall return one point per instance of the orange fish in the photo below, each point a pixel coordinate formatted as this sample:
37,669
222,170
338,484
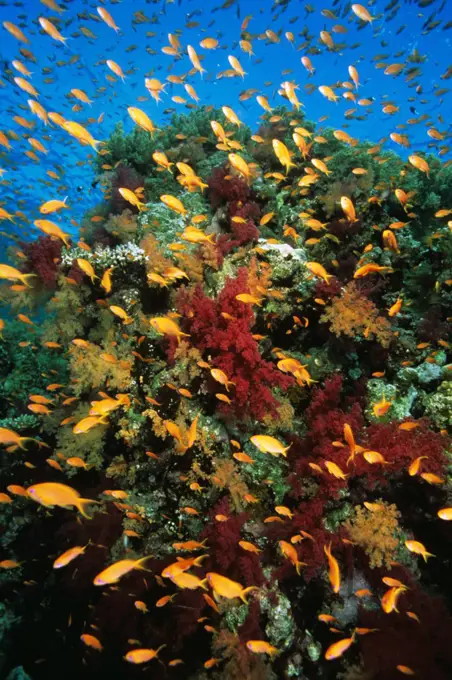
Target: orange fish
382,407
418,549
289,551
390,599
225,587
338,648
139,656
50,494
334,574
250,547
69,555
164,600
117,570
261,647
91,641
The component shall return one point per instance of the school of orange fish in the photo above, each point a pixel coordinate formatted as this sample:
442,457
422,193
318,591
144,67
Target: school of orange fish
190,57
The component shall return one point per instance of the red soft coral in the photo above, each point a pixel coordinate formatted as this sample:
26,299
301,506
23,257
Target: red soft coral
240,235
225,554
43,259
241,232
125,178
308,517
230,346
326,425
223,190
399,640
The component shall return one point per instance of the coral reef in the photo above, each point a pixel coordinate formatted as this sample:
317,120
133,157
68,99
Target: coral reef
247,382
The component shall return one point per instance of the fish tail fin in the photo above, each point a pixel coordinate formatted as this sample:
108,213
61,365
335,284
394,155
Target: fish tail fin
25,277
203,584
245,592
95,143
139,563
81,503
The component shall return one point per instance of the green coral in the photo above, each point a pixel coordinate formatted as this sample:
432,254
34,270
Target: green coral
264,467
90,370
26,370
88,446
65,320
401,401
164,223
438,406
281,627
137,147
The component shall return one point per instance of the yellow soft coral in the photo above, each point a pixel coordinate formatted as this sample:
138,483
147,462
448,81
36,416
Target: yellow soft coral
375,532
158,427
354,314
156,262
186,358
123,226
228,477
259,277
90,369
66,313
209,255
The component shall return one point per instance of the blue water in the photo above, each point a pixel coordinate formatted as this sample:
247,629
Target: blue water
26,185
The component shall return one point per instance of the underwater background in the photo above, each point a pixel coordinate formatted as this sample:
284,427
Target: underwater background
225,339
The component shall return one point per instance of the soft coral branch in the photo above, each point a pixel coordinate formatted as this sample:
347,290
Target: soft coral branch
230,346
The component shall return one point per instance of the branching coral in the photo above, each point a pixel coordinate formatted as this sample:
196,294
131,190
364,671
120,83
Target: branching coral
90,370
123,226
186,359
223,190
354,315
221,329
66,320
239,663
156,262
89,446
227,476
377,533
124,178
43,259
247,312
